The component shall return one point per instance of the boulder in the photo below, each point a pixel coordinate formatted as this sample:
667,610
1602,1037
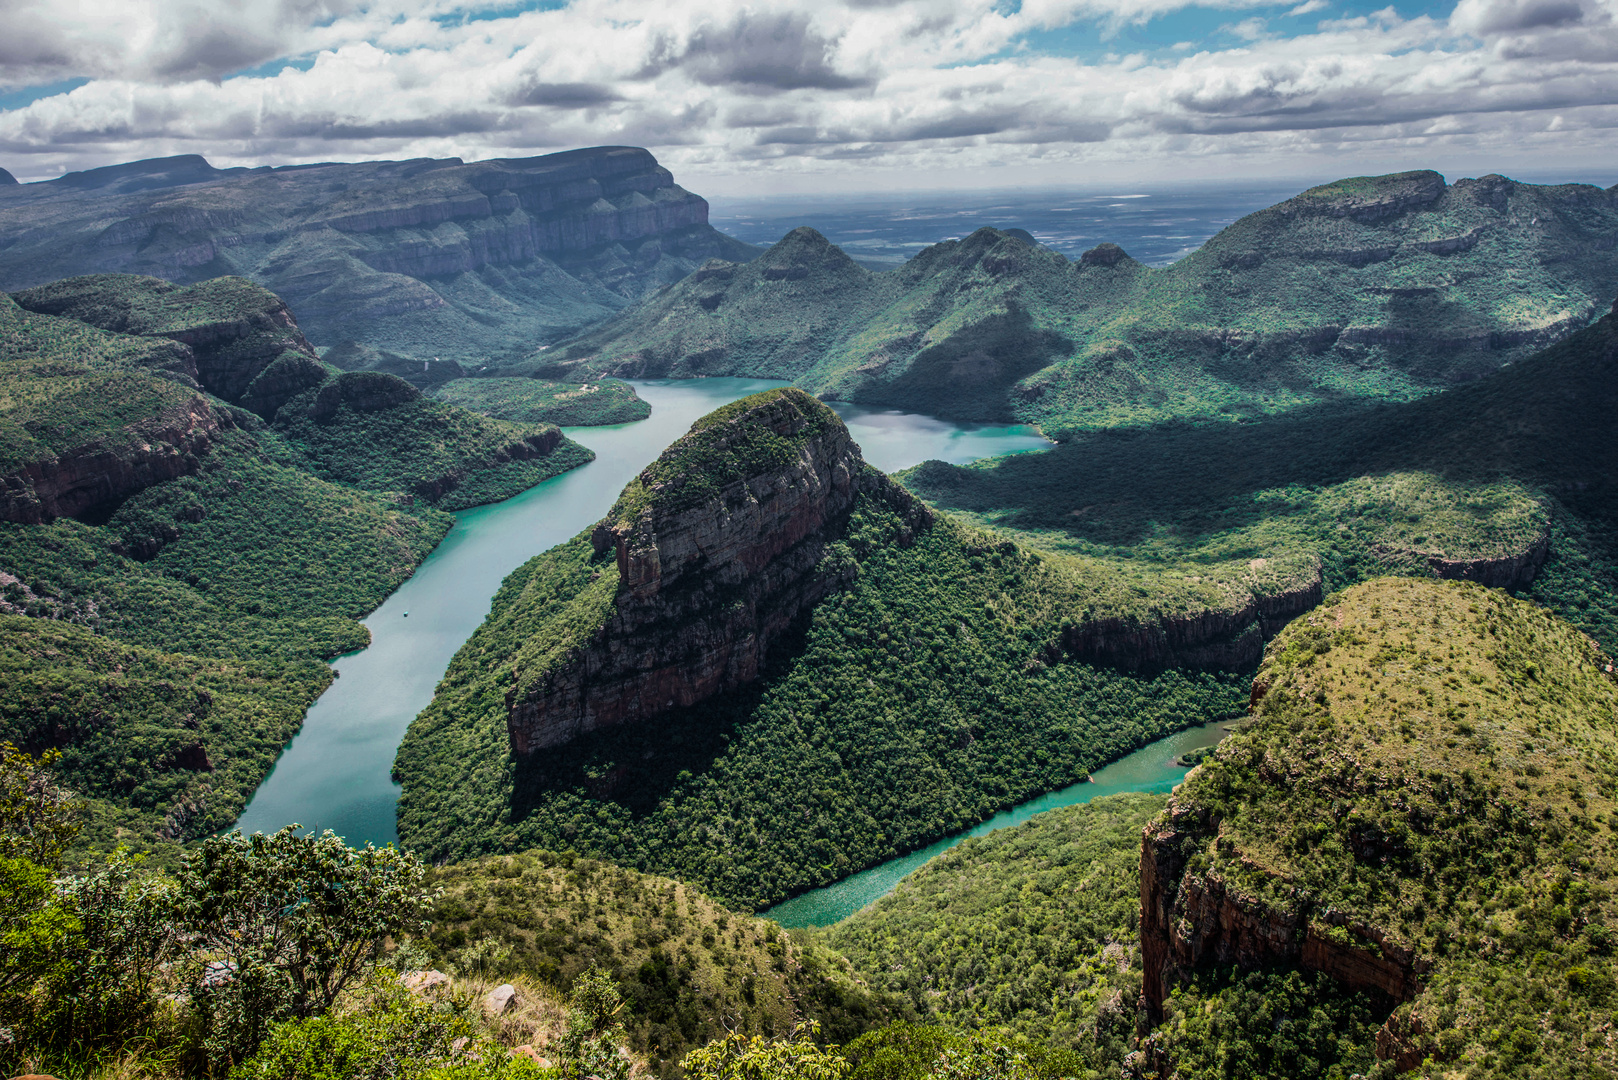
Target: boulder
501,1000
425,982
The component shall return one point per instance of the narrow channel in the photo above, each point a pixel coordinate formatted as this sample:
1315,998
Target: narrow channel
335,774
1151,768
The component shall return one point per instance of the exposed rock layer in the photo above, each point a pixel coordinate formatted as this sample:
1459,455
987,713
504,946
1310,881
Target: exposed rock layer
1191,918
705,589
107,470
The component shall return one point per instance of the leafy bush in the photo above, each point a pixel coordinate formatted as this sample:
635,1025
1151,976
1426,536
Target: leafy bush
279,925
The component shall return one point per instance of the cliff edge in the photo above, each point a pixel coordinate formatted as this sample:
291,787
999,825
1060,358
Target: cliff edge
719,546
1415,809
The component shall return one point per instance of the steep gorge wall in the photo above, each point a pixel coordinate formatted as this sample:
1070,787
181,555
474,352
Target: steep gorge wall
1190,918
110,468
706,588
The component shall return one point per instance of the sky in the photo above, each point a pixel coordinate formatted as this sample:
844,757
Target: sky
794,96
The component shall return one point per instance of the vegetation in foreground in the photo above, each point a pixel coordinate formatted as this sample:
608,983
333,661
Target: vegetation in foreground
689,969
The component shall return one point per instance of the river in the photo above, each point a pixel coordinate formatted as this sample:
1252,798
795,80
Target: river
1151,768
335,774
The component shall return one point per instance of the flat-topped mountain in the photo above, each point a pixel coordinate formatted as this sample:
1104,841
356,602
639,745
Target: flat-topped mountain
1417,811
1389,286
426,257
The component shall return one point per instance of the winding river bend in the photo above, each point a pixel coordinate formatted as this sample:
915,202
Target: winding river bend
336,772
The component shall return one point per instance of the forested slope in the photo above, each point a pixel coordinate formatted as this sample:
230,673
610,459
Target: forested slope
1507,480
186,564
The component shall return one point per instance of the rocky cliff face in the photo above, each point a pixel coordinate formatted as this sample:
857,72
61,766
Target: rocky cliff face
1193,918
407,255
1231,637
108,469
709,579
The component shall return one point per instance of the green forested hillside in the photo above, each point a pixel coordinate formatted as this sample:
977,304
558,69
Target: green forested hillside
1385,287
153,527
1427,784
934,690
1032,929
1458,482
533,401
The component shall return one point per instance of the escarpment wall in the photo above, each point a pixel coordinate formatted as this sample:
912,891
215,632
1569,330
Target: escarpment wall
1230,638
1190,918
706,590
111,468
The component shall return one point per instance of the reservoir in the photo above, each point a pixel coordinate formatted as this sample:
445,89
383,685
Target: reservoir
336,773
1152,768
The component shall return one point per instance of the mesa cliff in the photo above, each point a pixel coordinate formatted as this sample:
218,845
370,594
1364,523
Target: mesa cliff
719,548
121,408
408,255
1410,797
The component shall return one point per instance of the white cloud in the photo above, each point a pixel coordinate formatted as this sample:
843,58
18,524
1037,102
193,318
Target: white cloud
774,86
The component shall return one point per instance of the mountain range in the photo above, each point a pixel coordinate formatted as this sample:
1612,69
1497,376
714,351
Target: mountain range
1388,287
431,257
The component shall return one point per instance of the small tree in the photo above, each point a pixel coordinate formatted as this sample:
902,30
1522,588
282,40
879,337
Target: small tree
38,820
590,1048
737,1057
123,931
281,924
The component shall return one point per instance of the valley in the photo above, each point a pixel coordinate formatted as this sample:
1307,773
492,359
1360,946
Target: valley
1260,722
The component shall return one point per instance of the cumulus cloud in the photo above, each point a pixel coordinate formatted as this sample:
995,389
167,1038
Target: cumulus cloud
787,84
1486,17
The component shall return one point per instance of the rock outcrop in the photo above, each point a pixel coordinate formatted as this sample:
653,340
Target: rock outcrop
1193,918
1231,637
720,547
111,467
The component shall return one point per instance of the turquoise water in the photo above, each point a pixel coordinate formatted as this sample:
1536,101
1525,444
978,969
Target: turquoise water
1151,768
335,774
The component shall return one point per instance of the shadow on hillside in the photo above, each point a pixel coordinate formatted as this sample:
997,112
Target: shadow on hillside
1551,422
638,766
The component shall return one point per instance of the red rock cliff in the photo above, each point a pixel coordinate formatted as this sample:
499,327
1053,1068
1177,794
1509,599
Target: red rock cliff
708,584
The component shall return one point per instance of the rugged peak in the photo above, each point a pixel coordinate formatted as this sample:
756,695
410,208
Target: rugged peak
6,179
802,252
720,545
1105,255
